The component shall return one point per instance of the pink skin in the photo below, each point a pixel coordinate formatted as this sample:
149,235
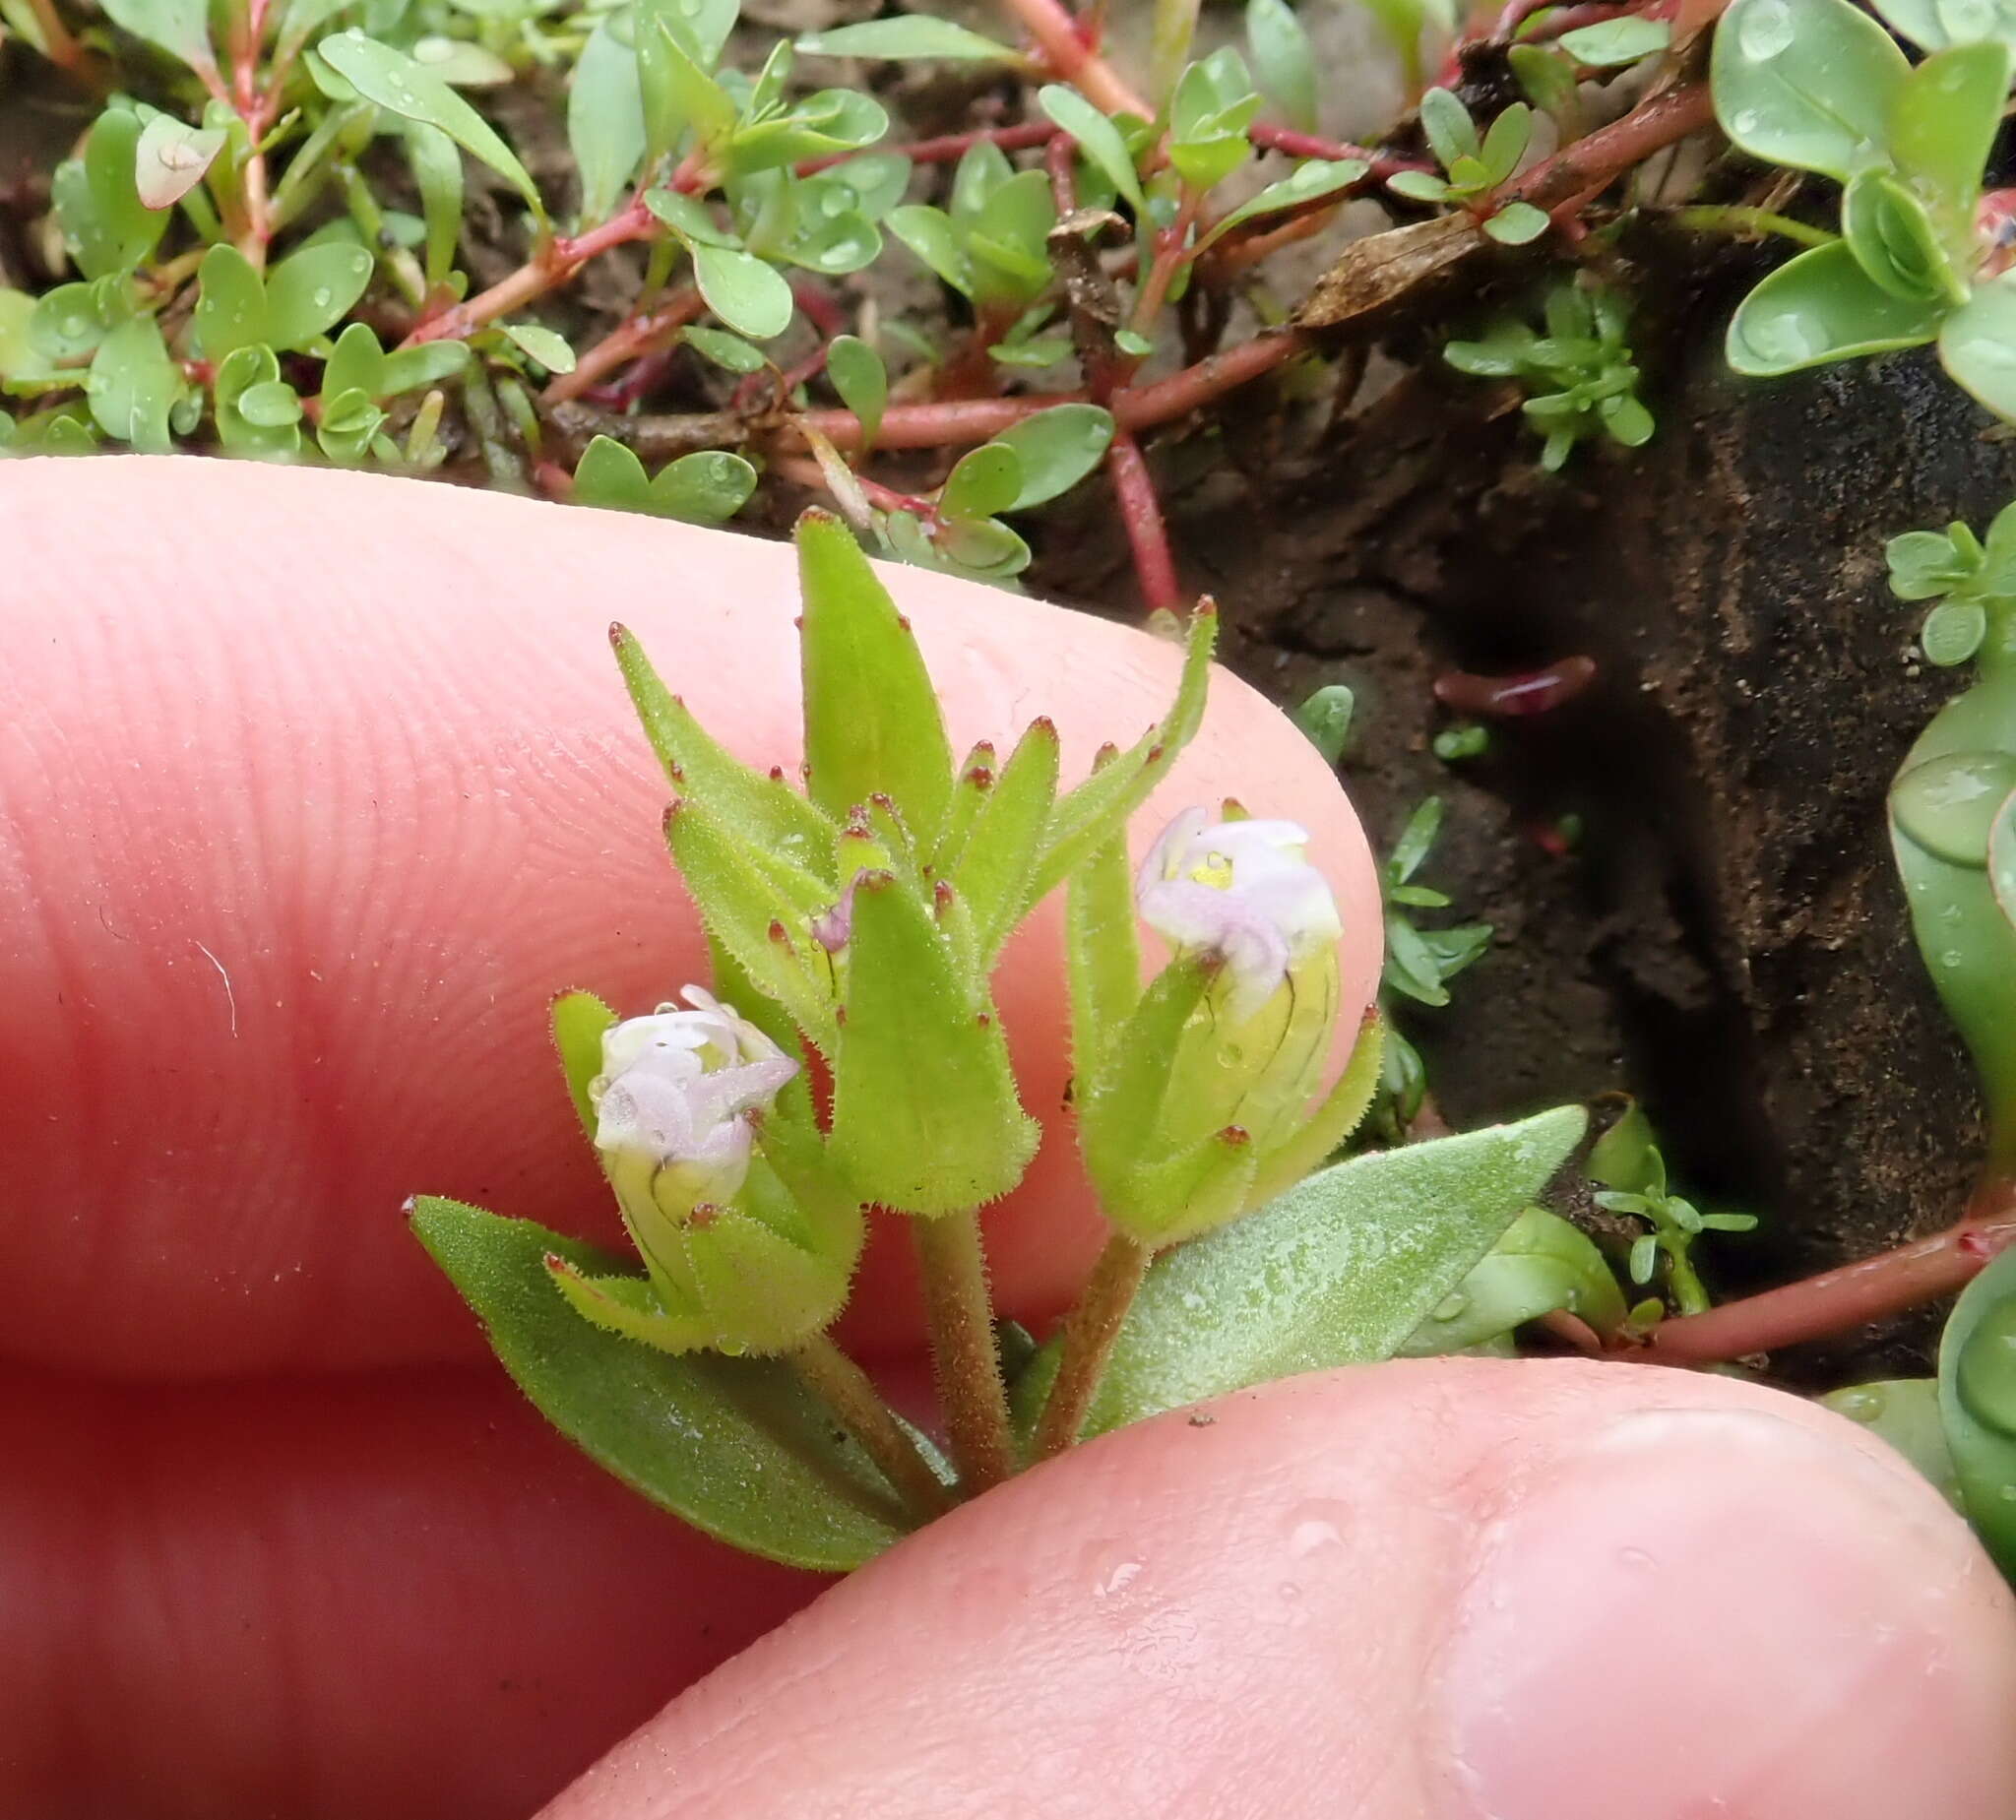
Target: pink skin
275,1539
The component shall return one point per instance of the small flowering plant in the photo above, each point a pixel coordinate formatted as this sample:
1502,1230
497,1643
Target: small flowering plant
849,1062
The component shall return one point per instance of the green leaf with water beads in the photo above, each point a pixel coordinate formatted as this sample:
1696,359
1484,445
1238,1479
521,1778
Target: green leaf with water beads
1905,1411
133,384
1819,307
107,227
395,81
1806,83
1894,242
902,39
1931,25
1284,61
1616,41
1978,1405
872,725
550,351
1978,346
862,380
302,298
244,383
707,488
1541,1266
181,27
735,1447
1338,1271
1941,132
1056,448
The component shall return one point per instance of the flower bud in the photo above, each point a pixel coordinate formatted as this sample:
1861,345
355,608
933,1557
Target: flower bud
736,1260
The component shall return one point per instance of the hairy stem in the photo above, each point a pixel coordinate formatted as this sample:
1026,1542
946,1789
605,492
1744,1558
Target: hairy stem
1088,1337
1839,1299
964,1363
849,1392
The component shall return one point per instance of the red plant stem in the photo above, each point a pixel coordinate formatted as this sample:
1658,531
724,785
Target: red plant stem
950,148
1529,693
822,309
1061,160
1064,48
1285,140
1146,535
958,422
783,383
639,335
637,384
1839,1299
1610,149
1172,249
803,471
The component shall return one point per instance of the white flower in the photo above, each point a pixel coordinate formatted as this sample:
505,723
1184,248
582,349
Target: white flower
1242,890
673,1101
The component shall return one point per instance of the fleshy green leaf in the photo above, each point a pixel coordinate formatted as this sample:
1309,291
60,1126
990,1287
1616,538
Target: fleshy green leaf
1978,1405
1933,24
181,27
1905,1411
728,351
1953,632
549,349
862,380
1284,61
1057,448
395,81
924,1113
1541,1265
605,121
1517,223
310,291
171,158
707,488
1098,138
872,725
1806,83
751,297
982,481
1451,132
1893,240
735,1447
1338,1271
929,233
1616,41
913,34
996,867
231,303
133,384
436,165
1978,346
1821,306
1309,182
1102,951
105,225
1942,130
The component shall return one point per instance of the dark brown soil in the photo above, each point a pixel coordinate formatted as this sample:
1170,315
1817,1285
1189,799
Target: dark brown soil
1726,939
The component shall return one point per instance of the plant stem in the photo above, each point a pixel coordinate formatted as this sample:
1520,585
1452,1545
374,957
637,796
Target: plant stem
1074,61
961,1318
851,1394
1730,218
1291,144
950,147
1839,1299
1148,537
625,341
1592,161
1088,1337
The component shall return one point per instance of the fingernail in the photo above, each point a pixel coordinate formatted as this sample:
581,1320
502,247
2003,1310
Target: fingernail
1727,1613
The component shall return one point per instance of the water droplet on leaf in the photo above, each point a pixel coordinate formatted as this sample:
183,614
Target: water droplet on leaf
1765,31
1947,805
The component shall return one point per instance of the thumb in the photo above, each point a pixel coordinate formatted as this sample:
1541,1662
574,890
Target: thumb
1453,1587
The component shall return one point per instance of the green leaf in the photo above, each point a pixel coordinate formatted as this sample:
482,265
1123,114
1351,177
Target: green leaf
1541,1265
1806,83
1505,144
862,380
1933,24
1418,186
982,481
436,165
460,63
1325,716
1284,60
1978,1405
181,27
1451,132
395,83
996,870
872,725
751,297
231,303
1893,240
1942,131
735,1447
1517,223
1905,1411
579,1019
1616,41
1338,1271
132,386
931,234
1953,632
673,57
1626,1156
1821,306
169,160
1102,949
246,373
725,350
310,291
107,227
1098,138
707,488
1309,182
549,349
898,39
833,121
925,1118
605,121
67,324
1978,346
1056,448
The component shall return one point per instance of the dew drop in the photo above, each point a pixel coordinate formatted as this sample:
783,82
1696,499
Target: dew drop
1947,805
1451,1307
1765,30
1862,1404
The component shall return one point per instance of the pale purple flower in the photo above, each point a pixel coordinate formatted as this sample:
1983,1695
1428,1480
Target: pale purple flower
1240,889
673,1104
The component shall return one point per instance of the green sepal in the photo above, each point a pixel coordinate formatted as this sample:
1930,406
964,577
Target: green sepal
627,1306
1978,1405
872,725
970,793
743,908
996,866
1102,956
1174,1198
925,1118
736,1447
1086,815
1119,1103
763,812
1339,1270
579,1019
